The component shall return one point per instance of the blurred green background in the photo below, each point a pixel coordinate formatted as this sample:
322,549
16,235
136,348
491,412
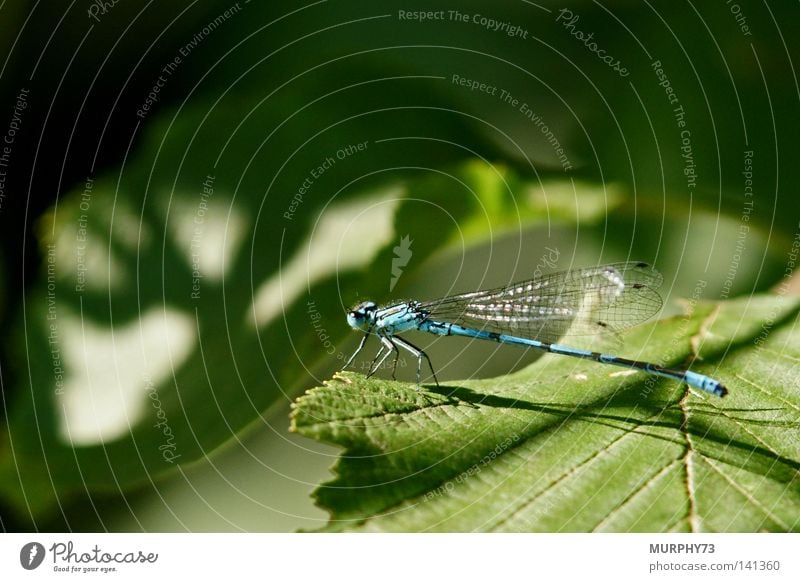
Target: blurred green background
194,193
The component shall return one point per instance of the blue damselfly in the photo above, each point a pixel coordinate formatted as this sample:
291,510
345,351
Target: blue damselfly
536,314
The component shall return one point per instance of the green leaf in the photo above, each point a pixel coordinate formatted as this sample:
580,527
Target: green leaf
571,445
158,328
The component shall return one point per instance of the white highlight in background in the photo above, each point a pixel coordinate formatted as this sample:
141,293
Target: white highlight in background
347,236
107,374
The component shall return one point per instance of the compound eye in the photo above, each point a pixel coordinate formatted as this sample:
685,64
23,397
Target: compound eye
363,308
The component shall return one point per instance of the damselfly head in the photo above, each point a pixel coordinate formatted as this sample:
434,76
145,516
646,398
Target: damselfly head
362,315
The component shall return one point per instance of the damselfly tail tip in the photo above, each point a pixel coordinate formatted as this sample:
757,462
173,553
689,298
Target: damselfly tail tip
721,391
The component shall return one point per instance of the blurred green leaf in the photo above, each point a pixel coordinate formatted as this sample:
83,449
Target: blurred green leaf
568,445
165,301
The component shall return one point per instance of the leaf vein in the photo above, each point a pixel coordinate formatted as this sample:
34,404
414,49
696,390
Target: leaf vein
753,501
636,492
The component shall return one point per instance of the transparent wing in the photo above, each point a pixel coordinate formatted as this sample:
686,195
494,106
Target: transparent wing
595,300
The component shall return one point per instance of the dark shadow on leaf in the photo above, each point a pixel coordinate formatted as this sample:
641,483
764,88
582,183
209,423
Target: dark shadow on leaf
756,459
